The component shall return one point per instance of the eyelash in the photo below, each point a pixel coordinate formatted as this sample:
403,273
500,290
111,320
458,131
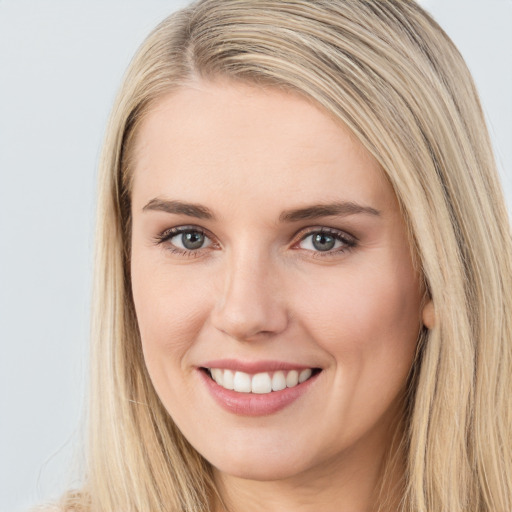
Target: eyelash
348,242
168,234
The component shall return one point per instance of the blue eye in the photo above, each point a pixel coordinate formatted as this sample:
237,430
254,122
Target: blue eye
326,241
190,240
184,239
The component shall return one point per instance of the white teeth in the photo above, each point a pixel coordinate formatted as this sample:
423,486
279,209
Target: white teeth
278,381
242,382
260,383
292,379
304,375
217,375
227,380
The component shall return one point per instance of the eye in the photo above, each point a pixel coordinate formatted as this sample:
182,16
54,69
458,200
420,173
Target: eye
184,239
326,240
190,240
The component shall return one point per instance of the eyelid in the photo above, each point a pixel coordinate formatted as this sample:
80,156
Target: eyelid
165,236
304,232
349,241
168,233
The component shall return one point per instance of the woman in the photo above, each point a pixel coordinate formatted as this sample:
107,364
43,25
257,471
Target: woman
303,270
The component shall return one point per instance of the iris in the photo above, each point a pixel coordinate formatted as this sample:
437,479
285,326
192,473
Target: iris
323,242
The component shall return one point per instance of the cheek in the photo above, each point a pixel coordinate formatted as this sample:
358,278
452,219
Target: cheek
170,308
367,320
170,311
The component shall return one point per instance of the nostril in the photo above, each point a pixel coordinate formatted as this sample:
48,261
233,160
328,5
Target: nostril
248,310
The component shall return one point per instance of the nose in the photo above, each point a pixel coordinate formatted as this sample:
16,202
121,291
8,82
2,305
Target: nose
251,304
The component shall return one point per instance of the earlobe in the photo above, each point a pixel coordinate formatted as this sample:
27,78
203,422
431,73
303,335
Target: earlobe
428,315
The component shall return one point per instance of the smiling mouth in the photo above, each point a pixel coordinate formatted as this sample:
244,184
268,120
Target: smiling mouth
260,383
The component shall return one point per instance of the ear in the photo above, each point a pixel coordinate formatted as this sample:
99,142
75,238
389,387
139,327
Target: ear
428,315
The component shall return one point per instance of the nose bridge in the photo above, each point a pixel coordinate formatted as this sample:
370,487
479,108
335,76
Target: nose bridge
250,302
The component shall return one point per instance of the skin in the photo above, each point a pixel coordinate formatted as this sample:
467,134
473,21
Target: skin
261,290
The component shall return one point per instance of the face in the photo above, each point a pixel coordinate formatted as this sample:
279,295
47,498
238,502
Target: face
277,303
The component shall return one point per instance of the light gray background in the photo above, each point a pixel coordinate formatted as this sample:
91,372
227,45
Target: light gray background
60,65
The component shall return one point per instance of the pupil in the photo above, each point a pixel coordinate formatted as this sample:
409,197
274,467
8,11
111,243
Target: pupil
323,242
192,240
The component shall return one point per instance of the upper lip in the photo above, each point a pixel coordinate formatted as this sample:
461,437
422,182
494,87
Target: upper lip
253,367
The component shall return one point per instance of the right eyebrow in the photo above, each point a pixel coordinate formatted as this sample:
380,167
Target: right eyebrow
180,208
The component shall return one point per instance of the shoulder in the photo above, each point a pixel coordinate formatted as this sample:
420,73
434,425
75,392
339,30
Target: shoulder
58,507
48,508
70,502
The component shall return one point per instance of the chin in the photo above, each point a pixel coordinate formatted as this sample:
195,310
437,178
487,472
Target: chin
260,468
260,473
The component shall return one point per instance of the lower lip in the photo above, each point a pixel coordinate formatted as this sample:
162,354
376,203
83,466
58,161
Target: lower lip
254,404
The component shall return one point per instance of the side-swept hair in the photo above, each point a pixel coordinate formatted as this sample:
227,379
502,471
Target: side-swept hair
388,72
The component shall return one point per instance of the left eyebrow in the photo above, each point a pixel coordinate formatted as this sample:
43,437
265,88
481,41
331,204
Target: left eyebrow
327,210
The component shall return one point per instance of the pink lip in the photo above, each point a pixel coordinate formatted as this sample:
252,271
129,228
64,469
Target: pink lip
253,367
251,404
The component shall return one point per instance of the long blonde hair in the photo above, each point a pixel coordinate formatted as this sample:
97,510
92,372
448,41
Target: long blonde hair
389,73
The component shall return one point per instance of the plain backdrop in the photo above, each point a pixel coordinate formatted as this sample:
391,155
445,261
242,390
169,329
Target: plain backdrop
60,65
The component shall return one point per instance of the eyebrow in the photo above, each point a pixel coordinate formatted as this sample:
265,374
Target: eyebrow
180,208
339,209
198,211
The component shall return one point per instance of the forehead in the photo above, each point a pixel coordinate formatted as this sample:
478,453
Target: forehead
223,137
